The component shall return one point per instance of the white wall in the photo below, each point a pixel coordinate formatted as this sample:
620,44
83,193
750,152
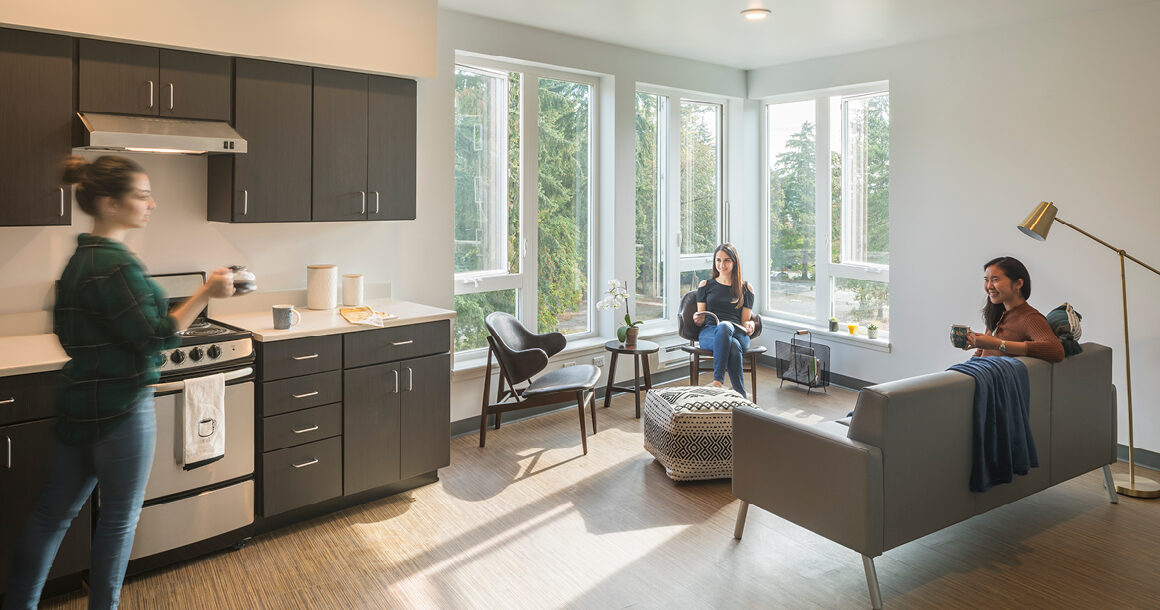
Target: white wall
985,126
382,36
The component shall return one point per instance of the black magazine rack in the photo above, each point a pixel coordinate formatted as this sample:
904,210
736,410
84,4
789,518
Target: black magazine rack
803,362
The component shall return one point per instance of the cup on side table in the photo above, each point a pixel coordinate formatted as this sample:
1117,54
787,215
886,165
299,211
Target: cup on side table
285,316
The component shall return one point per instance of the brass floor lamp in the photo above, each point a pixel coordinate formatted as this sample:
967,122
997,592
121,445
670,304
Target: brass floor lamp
1036,226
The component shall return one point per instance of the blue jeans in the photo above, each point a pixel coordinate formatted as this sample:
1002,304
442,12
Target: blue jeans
727,342
121,462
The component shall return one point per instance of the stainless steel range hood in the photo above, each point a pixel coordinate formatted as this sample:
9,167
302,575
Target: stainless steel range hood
158,135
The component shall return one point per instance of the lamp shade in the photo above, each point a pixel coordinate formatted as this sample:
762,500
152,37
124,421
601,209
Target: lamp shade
1038,223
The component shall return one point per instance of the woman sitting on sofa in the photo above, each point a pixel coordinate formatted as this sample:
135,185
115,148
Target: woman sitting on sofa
1014,328
730,300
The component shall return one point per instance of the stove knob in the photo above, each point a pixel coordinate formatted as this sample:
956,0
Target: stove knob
195,354
177,356
161,359
214,352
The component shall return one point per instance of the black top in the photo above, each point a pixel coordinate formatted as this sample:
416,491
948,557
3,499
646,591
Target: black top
718,298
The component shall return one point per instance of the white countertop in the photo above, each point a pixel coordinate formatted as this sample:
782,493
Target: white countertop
329,322
30,354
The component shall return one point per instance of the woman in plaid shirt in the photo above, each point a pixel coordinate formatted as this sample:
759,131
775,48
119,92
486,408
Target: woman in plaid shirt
112,320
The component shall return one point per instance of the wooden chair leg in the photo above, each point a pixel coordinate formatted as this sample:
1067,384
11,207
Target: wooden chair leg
753,369
695,370
497,416
483,409
483,427
584,432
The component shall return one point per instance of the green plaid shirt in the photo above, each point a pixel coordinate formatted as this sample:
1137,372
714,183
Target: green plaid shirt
112,320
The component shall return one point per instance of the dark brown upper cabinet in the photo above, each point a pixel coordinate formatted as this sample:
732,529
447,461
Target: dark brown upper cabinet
270,182
131,79
36,114
364,147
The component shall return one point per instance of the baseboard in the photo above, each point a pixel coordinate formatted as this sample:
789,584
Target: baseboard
470,425
1143,457
850,383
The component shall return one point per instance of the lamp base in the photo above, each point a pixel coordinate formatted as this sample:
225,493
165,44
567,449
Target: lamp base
1143,488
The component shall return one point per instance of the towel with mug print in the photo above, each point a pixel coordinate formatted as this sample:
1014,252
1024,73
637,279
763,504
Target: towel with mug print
203,421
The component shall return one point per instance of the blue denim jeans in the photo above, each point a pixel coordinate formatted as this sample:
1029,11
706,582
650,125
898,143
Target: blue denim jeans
727,342
121,462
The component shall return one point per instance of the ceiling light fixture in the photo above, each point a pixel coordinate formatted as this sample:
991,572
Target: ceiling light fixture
755,14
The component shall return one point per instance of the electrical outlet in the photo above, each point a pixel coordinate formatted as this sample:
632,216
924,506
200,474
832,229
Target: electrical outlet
570,363
598,361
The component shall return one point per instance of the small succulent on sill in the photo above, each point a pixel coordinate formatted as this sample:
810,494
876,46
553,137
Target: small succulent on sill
618,292
872,326
872,331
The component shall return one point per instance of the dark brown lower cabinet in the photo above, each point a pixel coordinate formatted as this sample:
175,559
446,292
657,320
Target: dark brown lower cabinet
25,454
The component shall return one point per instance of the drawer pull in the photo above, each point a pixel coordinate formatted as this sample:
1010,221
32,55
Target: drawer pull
407,342
305,430
8,460
312,462
396,372
306,395
410,379
304,357
7,402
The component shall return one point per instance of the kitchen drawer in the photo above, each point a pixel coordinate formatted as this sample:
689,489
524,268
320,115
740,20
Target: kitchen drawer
302,392
301,475
282,359
300,427
27,397
396,343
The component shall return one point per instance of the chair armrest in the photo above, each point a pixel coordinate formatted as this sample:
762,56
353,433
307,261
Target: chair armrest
813,476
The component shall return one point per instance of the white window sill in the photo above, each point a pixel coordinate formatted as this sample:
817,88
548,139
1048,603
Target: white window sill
881,344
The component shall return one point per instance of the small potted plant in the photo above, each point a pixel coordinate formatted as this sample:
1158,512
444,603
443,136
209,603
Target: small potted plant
618,292
872,331
833,325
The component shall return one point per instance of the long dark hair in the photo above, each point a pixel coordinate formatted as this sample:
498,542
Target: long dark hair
108,176
1015,271
738,284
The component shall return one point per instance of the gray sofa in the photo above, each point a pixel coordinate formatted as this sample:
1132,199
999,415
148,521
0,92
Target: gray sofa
900,470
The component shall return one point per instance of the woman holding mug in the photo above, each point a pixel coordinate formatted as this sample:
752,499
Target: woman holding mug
112,320
730,299
1014,327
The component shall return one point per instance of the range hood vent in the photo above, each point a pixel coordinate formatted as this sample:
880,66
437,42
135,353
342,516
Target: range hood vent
158,135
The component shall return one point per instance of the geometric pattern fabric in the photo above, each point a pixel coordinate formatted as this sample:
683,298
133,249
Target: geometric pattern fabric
689,430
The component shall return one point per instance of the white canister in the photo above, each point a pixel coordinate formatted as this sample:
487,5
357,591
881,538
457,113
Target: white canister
352,289
322,286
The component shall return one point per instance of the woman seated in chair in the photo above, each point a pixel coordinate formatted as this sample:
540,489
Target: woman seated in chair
730,299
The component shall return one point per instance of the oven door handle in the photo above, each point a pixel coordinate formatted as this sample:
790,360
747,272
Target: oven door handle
177,386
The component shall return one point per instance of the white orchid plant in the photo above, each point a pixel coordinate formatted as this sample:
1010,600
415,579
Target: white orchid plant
617,293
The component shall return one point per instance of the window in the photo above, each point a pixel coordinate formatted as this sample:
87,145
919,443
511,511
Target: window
679,197
828,207
509,177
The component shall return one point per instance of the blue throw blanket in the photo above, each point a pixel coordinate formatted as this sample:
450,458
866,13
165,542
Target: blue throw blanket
1002,442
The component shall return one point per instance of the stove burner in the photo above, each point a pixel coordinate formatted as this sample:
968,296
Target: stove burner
205,330
199,323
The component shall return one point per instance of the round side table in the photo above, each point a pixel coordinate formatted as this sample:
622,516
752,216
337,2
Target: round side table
639,355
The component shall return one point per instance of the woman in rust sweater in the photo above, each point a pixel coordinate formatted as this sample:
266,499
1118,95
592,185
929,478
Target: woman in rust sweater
1014,328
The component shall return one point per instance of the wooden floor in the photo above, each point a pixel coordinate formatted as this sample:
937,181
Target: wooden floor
530,523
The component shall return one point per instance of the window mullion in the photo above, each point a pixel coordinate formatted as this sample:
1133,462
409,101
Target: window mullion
823,283
529,199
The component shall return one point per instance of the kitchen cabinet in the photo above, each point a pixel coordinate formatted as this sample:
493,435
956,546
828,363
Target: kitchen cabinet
272,181
132,79
36,117
364,147
25,454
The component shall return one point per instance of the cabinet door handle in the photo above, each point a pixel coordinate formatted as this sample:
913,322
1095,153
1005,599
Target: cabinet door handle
8,401
407,342
305,430
171,96
62,201
306,395
396,371
376,202
305,464
150,95
304,357
245,202
364,202
410,379
8,459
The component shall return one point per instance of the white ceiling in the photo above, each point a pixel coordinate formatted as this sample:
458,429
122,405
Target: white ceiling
714,31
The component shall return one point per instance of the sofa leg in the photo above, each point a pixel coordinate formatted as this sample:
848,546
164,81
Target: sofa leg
872,582
740,527
1109,483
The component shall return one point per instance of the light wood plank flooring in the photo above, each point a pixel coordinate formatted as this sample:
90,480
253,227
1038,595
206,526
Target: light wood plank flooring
530,523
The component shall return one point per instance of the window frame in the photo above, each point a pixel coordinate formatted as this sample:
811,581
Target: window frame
525,281
826,271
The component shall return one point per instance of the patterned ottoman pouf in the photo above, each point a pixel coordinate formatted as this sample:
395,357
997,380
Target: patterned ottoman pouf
689,430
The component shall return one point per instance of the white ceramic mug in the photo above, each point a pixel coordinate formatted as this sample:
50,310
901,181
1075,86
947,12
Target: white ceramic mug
285,316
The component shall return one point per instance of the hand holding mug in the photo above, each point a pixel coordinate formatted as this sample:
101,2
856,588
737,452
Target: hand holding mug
699,318
750,327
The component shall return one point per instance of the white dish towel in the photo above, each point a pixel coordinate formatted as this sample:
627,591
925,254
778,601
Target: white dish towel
204,421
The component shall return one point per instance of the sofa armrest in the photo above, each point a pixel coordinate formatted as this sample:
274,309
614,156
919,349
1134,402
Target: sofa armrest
813,476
